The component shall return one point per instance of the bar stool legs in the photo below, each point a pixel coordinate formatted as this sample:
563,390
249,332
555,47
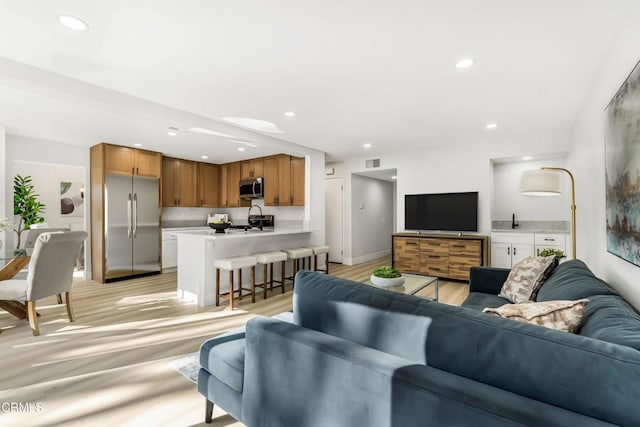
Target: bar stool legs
318,250
296,255
231,264
267,259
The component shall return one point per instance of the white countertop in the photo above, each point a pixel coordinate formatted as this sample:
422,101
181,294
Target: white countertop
211,234
518,230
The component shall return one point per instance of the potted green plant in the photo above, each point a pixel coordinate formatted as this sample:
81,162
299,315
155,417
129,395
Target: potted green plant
386,276
25,206
549,252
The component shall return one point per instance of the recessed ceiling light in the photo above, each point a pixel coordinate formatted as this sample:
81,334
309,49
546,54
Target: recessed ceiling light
204,157
394,177
172,133
137,145
367,145
465,63
73,23
491,126
290,114
527,158
241,149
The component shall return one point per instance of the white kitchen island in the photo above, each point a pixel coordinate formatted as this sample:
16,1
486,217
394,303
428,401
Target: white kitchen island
198,249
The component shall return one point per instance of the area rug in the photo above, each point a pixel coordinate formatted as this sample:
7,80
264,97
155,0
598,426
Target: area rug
188,365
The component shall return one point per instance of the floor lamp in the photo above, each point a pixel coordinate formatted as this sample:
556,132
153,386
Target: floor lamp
546,182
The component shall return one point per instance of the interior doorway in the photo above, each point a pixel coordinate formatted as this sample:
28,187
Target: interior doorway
334,213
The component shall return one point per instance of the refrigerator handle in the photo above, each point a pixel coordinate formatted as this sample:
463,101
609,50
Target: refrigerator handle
129,217
135,214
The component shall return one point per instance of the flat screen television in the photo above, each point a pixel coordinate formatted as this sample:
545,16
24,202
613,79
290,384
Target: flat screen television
441,212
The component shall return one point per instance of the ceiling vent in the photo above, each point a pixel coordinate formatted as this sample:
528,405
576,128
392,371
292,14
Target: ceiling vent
373,163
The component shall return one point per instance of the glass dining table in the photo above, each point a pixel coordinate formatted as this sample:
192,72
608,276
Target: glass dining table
11,262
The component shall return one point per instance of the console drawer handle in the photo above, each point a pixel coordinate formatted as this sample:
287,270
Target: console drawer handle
549,240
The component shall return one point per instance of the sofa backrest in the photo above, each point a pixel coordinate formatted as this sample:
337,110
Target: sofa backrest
572,280
358,317
584,375
607,316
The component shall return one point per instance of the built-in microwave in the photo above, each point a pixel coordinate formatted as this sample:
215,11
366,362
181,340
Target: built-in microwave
251,188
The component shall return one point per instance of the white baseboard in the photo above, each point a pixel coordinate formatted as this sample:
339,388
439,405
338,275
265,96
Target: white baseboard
366,258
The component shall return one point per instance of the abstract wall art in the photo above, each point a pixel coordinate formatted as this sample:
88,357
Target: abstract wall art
622,148
71,199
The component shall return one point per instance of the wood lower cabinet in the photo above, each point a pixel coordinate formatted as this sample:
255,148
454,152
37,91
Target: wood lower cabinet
406,254
131,161
208,185
179,178
439,255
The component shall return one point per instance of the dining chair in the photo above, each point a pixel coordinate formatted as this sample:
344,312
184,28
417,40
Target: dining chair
30,242
50,273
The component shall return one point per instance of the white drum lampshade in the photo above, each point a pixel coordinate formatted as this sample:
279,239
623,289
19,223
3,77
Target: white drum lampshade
540,182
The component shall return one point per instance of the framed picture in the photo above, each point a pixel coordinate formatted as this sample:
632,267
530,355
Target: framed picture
71,198
622,163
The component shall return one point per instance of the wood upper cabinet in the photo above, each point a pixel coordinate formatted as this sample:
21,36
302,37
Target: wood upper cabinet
208,185
284,181
131,161
179,179
230,185
271,181
253,168
297,181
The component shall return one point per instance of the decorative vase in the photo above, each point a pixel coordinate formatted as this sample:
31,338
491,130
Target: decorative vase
387,282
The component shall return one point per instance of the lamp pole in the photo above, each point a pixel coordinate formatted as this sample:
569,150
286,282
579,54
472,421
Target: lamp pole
573,207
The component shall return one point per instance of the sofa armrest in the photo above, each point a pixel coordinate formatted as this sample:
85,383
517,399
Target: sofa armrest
296,376
487,280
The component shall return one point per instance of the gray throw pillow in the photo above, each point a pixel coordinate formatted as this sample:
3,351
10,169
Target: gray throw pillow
526,278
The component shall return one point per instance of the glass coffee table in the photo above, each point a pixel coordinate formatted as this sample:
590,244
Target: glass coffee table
412,284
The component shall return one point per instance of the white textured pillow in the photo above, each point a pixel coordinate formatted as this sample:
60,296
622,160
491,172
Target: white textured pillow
526,277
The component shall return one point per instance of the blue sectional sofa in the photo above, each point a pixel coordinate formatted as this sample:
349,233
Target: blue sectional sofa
355,355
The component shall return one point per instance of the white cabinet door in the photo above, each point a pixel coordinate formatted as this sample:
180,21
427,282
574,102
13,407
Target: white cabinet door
501,255
170,253
519,252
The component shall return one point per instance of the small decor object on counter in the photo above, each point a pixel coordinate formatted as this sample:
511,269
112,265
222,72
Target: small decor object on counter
558,253
386,276
220,226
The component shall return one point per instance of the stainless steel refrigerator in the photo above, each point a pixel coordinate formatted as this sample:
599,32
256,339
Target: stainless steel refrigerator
132,226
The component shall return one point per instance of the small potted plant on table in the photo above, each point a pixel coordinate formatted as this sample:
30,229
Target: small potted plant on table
386,276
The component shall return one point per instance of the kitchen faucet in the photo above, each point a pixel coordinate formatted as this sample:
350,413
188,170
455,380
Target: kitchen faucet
249,215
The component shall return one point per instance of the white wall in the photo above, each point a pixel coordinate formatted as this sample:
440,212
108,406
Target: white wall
508,200
3,204
587,161
372,219
442,169
48,163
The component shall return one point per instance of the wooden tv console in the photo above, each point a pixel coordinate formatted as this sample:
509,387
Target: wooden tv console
441,255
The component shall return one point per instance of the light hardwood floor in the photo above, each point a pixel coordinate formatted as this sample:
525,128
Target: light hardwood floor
111,366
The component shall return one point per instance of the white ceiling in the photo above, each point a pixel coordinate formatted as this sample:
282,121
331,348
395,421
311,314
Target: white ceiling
355,71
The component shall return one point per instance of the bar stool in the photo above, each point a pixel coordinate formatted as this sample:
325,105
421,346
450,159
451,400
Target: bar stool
318,250
297,254
231,264
267,259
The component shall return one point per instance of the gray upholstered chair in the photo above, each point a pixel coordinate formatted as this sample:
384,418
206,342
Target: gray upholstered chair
50,273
